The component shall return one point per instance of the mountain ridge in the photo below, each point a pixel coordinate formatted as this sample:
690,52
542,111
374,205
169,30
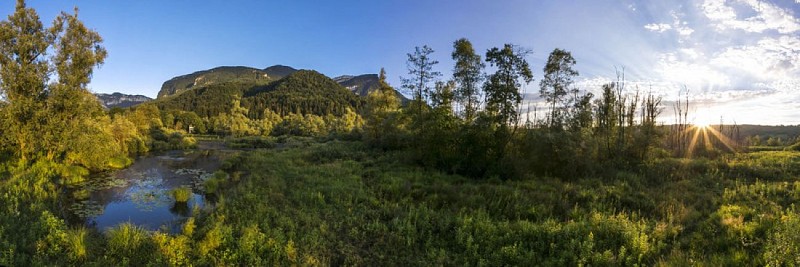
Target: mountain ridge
360,85
120,100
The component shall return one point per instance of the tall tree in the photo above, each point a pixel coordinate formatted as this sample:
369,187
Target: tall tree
69,102
503,87
62,120
467,75
555,85
24,73
382,104
420,69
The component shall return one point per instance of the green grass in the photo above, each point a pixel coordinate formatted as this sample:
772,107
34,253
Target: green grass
181,194
340,203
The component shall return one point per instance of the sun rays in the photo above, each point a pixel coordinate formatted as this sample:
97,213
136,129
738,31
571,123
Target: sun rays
705,136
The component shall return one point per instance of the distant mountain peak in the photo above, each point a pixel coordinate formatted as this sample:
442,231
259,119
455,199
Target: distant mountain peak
120,100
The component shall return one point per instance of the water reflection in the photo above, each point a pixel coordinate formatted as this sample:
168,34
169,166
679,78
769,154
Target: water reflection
140,194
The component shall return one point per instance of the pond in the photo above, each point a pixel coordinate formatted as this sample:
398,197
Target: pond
141,193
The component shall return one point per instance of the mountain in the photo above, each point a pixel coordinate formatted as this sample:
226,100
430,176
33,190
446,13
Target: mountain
198,79
303,91
360,85
121,100
363,84
279,71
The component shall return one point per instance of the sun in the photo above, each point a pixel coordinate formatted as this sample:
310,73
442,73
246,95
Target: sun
703,121
702,124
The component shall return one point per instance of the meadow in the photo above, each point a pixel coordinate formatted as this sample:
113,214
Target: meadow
327,202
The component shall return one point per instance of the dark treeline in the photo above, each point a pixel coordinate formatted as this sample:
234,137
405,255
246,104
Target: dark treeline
473,123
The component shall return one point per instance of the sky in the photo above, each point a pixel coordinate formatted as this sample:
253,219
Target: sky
739,60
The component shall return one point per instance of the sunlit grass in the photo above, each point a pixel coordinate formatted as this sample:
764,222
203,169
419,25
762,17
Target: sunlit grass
181,194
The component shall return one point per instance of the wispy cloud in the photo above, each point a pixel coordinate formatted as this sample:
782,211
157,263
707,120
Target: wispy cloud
767,16
738,59
658,27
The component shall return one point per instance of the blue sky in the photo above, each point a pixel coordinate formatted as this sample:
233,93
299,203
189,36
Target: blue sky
739,59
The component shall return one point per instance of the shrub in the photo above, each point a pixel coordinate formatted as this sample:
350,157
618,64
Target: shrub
77,243
795,147
213,183
182,194
129,244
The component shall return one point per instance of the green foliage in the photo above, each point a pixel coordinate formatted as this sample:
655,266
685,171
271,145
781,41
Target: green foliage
303,92
213,183
467,75
557,83
251,142
206,78
207,101
795,147
503,87
781,248
181,194
420,69
342,203
129,244
382,114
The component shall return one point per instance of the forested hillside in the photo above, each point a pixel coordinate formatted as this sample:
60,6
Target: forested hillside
213,76
302,92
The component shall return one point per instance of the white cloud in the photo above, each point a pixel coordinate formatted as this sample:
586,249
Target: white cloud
691,53
767,16
769,59
739,59
680,68
680,26
658,27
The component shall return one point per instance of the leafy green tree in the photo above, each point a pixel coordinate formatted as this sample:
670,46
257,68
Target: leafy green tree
606,117
503,87
237,122
44,117
554,87
420,69
439,142
501,117
467,75
381,113
24,73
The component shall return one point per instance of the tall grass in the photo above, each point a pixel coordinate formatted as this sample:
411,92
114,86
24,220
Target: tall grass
129,244
340,203
181,194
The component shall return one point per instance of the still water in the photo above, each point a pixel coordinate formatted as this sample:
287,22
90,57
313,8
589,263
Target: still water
141,193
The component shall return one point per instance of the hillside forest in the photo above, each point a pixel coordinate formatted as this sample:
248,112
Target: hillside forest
462,173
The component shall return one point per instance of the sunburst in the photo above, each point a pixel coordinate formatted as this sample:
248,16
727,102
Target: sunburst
705,133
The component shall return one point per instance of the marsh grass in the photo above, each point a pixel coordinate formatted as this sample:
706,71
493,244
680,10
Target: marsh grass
181,194
341,203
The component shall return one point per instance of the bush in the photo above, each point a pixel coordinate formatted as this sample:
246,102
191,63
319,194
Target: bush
129,244
795,147
215,181
250,142
181,194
